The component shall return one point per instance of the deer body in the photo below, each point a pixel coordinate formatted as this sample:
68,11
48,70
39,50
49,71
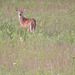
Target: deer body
30,23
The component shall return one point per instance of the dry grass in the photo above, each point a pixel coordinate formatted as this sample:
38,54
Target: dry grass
50,50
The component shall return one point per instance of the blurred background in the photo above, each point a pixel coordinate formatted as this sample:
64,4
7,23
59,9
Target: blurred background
50,50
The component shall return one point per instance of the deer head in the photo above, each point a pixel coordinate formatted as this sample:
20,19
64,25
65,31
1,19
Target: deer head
20,12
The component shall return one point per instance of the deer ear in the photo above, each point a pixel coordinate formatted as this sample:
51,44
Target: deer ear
24,10
17,9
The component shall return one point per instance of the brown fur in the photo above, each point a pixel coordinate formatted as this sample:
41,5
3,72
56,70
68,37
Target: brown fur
30,23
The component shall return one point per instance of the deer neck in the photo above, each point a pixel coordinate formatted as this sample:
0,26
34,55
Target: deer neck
21,18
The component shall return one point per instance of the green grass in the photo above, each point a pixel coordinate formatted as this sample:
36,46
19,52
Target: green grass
50,50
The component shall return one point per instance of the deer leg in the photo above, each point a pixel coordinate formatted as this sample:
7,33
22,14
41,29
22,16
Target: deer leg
33,29
30,27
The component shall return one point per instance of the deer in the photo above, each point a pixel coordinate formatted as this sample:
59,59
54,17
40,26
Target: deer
30,23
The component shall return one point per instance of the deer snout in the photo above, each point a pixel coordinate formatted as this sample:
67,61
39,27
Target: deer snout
20,14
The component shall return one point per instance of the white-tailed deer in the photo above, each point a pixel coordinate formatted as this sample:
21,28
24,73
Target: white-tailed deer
30,23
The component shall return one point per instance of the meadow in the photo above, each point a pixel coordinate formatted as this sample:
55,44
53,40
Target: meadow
50,50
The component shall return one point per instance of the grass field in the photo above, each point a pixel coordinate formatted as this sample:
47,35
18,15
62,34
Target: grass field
50,50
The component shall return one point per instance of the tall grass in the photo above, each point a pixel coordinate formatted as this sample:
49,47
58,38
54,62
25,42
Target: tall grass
50,50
